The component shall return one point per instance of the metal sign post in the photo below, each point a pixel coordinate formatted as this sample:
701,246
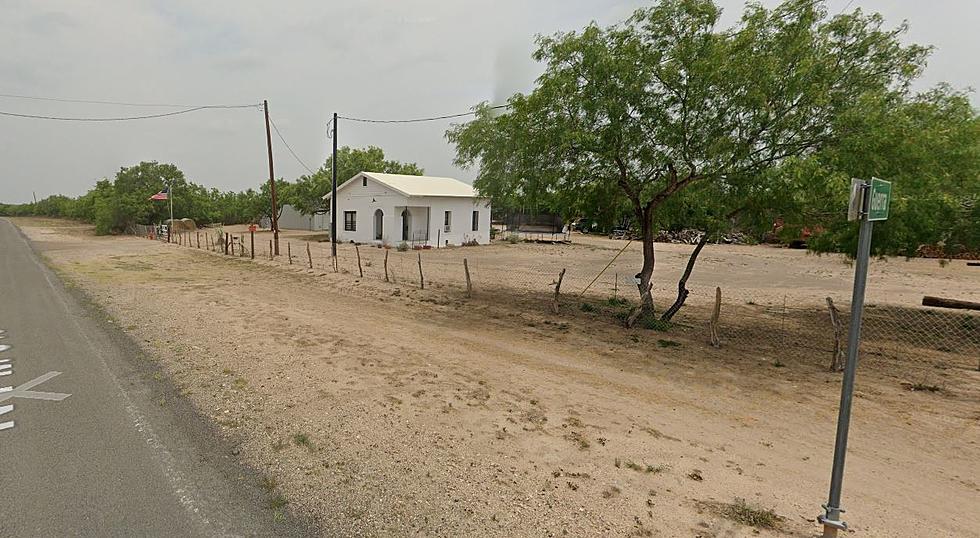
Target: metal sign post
872,201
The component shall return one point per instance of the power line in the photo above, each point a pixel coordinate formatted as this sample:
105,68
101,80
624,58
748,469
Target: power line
100,102
291,152
124,118
418,120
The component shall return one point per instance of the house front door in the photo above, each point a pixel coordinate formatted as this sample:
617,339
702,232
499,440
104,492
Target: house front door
406,224
379,222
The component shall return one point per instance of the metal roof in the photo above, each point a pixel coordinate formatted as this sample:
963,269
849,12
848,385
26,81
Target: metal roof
419,185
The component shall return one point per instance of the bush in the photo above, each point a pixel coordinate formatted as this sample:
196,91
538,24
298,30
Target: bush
402,247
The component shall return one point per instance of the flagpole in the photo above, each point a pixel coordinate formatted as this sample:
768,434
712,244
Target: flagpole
170,197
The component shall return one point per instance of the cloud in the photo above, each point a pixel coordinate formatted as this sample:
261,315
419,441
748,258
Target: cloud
309,58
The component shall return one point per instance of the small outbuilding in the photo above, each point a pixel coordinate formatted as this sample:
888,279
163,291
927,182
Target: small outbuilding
419,210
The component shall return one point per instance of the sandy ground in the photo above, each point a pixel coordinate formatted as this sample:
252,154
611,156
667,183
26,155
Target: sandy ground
382,409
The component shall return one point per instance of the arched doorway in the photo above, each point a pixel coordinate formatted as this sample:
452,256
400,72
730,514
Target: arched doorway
406,224
379,223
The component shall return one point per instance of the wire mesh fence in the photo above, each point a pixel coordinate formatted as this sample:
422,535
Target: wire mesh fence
748,321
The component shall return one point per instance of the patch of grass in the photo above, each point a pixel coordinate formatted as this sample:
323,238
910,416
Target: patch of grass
278,502
617,302
301,439
226,371
269,483
642,468
611,492
667,343
745,514
579,439
587,307
239,383
923,387
655,324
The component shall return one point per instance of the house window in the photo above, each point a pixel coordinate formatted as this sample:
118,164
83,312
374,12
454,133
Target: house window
447,225
364,181
350,221
476,221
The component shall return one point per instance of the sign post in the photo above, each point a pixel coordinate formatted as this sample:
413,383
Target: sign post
871,201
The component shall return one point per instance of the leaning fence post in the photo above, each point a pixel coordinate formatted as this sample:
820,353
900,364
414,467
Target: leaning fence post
837,363
289,252
421,276
713,324
554,303
469,284
386,265
308,255
358,252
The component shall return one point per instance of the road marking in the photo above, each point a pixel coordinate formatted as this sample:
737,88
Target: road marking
4,409
23,390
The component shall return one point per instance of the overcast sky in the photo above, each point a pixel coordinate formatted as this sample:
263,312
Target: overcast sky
309,58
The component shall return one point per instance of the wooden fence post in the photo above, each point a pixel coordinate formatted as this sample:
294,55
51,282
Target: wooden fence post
251,234
358,252
308,255
421,276
289,252
386,265
715,315
469,284
837,363
198,240
271,252
554,303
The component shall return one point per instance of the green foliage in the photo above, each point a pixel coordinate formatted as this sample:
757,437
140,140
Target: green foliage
114,205
670,119
308,191
927,145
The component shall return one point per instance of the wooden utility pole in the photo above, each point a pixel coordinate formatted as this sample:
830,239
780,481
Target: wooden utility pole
272,180
333,193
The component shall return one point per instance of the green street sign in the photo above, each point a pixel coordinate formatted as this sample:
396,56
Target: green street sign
880,199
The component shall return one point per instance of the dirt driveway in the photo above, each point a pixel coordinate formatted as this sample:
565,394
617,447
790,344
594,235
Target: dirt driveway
385,410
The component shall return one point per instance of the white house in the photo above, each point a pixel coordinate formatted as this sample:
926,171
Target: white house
391,208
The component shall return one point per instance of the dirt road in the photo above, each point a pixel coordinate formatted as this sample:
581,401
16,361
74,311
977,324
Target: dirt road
386,410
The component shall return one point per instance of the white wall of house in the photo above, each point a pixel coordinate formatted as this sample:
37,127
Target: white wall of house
426,216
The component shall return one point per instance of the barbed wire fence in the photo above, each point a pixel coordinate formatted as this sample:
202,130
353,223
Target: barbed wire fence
769,325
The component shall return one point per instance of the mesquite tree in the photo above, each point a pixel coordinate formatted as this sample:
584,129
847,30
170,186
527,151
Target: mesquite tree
642,111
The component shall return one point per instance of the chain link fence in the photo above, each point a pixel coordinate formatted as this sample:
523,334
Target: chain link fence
598,285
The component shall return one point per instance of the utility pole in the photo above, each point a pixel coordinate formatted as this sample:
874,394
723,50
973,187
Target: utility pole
333,196
272,179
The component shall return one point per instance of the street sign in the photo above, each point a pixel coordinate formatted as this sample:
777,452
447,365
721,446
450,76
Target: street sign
855,206
869,203
881,196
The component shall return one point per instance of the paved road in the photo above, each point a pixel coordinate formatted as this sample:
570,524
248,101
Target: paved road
108,460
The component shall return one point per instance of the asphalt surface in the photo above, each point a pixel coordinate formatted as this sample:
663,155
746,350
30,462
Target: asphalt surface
123,455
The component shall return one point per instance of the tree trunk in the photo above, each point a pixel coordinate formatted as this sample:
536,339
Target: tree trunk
649,260
682,291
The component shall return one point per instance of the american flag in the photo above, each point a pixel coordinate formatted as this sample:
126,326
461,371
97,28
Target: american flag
162,195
